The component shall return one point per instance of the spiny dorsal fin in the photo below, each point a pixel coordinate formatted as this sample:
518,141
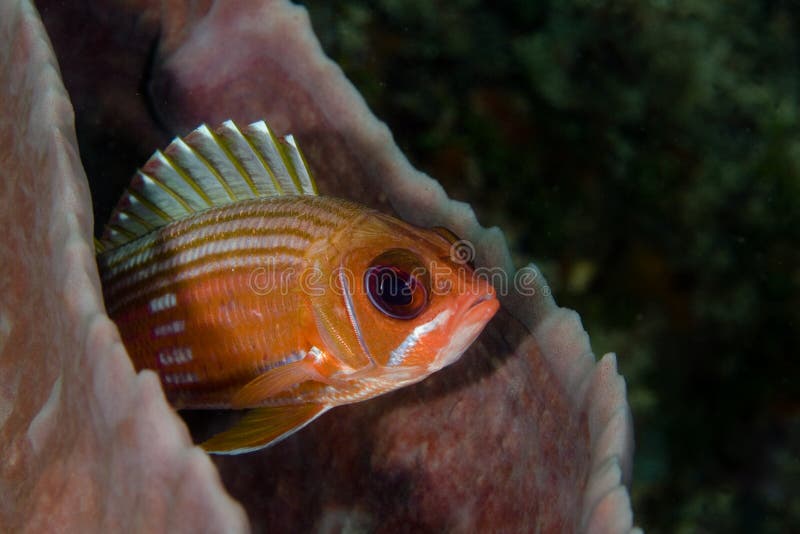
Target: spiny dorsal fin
205,169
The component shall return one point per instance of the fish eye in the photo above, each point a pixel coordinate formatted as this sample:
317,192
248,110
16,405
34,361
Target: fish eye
396,283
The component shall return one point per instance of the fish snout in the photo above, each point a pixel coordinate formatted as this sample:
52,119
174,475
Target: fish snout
478,311
483,299
483,307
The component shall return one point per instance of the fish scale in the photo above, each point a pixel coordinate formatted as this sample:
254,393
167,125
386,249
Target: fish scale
167,254
211,327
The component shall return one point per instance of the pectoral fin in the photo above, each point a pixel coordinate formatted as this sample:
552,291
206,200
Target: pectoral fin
262,427
274,381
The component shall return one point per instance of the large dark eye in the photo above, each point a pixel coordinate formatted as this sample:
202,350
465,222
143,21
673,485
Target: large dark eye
396,284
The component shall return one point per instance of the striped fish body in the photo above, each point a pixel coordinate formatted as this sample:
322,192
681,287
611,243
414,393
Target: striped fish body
213,300
228,276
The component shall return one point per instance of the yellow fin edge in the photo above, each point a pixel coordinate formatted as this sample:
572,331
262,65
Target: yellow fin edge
205,169
262,427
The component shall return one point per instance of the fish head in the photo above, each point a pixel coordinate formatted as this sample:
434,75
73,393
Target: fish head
414,304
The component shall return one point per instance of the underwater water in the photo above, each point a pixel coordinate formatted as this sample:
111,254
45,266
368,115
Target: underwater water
647,156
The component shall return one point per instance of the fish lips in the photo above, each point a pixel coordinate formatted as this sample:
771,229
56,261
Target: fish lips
469,325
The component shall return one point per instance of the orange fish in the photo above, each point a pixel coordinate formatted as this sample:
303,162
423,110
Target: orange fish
228,276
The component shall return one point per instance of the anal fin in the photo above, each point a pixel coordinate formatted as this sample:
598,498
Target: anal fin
262,427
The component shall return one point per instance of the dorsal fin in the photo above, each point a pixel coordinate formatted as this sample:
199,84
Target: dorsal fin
205,169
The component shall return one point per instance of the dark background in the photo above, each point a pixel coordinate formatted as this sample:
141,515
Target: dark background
646,155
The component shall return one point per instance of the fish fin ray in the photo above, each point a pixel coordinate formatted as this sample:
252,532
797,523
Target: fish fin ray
262,427
206,169
274,381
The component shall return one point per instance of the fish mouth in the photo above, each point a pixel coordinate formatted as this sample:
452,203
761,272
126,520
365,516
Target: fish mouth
467,329
483,298
483,308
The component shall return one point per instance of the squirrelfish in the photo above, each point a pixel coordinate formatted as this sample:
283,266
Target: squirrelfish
230,277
